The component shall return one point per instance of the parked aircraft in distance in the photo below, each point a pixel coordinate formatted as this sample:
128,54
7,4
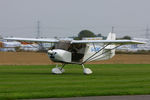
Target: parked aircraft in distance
80,51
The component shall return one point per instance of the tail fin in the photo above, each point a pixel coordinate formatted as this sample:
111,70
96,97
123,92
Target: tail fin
111,53
111,36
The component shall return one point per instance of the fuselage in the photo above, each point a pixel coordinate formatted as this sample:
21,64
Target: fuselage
65,52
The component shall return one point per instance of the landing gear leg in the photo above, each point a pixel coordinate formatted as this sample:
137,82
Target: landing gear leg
58,70
86,70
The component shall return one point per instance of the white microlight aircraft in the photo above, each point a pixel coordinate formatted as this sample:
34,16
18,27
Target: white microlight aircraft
80,51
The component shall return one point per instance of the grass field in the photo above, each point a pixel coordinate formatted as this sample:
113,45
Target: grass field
22,82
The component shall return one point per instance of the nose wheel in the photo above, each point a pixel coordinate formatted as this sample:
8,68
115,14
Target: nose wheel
58,70
86,70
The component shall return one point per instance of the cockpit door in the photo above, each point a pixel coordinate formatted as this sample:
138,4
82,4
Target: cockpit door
77,51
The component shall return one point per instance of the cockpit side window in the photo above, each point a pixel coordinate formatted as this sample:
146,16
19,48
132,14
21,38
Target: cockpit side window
77,48
64,45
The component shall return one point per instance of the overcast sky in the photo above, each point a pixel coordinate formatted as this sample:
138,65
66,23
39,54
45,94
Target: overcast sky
63,18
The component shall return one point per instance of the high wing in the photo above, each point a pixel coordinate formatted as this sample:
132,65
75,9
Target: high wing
115,42
44,40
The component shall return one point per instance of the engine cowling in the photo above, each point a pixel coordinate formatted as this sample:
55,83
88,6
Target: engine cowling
58,55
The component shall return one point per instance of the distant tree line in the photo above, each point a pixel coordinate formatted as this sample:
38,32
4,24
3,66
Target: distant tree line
87,33
126,38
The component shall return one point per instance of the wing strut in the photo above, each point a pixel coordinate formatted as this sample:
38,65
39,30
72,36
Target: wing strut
94,46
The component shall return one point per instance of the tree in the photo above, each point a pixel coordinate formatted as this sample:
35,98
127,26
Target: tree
99,35
127,37
85,33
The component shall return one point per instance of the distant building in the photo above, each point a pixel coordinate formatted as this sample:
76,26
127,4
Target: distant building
136,47
9,46
29,47
93,38
143,46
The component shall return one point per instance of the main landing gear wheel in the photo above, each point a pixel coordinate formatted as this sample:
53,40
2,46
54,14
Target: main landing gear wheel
86,70
58,70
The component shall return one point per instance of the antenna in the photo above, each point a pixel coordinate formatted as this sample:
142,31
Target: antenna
112,29
38,29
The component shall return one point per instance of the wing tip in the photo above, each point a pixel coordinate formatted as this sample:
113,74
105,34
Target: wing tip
138,42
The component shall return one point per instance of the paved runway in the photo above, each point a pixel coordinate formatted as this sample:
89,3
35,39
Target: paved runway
134,97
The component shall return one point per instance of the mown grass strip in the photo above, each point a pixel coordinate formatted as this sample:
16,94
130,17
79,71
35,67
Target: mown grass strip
22,82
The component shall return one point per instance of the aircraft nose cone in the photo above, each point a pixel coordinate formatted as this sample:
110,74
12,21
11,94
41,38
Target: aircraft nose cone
51,54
